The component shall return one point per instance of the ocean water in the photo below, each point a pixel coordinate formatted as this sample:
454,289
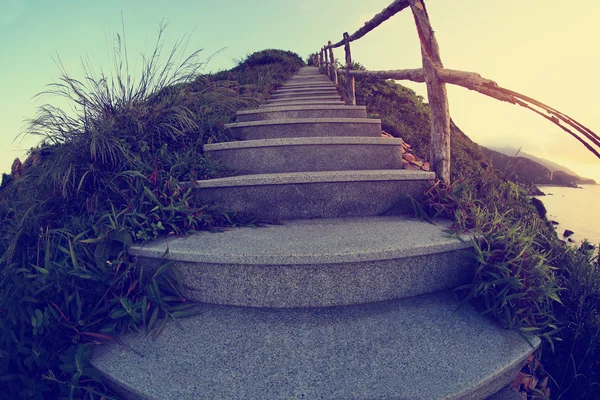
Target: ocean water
574,209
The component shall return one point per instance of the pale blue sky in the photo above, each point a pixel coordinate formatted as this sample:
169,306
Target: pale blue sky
546,49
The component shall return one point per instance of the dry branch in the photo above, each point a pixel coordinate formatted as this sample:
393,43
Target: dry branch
439,149
349,78
378,19
333,67
475,82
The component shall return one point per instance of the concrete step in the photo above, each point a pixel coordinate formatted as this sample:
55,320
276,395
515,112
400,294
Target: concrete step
508,393
306,95
330,89
309,79
309,98
305,127
424,347
305,103
268,156
295,112
315,262
306,85
327,194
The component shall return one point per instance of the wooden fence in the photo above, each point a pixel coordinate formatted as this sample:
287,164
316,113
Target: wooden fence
435,76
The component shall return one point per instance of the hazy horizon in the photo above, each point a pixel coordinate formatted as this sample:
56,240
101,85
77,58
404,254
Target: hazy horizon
543,49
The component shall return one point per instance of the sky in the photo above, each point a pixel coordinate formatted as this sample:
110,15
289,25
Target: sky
546,49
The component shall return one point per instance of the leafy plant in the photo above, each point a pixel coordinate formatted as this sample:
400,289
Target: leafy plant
120,168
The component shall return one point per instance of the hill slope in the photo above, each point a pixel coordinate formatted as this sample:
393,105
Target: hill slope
566,175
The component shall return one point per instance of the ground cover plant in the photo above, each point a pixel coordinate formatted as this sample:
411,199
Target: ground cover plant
105,176
526,278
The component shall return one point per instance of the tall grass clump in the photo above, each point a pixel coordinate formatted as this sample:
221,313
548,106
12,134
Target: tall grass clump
527,279
113,170
575,362
514,280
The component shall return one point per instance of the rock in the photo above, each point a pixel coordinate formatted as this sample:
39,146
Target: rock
568,233
409,157
554,222
539,206
533,190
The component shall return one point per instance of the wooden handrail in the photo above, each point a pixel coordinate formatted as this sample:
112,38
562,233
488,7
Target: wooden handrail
475,82
388,12
435,76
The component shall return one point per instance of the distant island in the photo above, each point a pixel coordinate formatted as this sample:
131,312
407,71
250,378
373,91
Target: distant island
530,169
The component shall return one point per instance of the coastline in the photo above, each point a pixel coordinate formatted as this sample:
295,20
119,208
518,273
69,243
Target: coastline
573,210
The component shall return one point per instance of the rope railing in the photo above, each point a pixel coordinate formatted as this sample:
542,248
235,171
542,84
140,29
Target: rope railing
435,76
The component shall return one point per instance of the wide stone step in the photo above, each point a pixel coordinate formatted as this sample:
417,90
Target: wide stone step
331,89
295,112
307,98
309,85
309,79
305,103
508,393
316,262
329,194
424,347
305,127
312,93
308,95
308,154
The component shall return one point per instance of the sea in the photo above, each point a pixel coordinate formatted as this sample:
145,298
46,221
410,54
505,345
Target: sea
574,209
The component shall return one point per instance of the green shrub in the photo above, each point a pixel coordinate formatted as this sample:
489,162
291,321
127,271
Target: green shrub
110,173
575,362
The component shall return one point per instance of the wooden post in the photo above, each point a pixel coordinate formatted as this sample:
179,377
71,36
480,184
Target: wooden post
349,79
333,66
439,150
320,59
326,61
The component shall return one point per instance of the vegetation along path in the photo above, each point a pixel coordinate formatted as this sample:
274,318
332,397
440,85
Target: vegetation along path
343,296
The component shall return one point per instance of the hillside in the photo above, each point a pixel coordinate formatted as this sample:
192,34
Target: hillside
117,171
566,176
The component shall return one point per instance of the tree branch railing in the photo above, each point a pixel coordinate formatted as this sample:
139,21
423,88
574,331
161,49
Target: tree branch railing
435,76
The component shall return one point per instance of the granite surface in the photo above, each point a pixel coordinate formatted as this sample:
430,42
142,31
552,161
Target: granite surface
507,393
314,89
287,112
330,97
305,93
305,103
305,127
306,85
323,194
423,347
308,154
315,263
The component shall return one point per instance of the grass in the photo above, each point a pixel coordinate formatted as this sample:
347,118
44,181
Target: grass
109,173
112,173
526,278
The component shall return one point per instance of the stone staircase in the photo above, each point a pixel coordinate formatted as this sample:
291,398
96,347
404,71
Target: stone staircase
344,297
